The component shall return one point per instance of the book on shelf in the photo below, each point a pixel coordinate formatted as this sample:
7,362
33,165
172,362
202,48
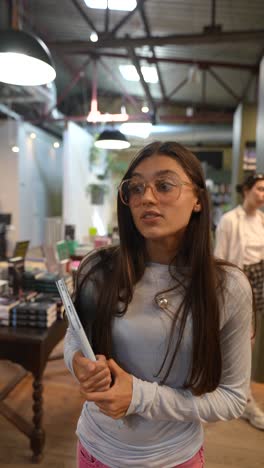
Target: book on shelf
6,305
32,322
35,309
33,314
53,298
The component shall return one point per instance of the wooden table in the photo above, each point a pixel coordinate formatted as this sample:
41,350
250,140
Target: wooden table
29,347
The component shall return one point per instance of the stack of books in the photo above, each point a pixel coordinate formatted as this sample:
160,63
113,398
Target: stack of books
53,298
43,282
6,305
46,283
33,314
28,280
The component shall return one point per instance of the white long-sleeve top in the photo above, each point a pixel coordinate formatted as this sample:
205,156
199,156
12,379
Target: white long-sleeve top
230,240
163,425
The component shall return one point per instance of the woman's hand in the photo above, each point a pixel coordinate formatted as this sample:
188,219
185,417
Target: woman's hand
115,401
94,376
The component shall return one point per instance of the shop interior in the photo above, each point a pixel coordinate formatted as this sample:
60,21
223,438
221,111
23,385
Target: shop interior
121,76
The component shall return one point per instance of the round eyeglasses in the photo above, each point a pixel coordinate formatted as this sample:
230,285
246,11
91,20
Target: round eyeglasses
132,190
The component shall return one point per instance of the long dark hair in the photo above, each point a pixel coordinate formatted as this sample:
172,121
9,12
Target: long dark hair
122,267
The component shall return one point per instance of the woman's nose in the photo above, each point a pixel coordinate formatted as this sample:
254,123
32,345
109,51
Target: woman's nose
149,193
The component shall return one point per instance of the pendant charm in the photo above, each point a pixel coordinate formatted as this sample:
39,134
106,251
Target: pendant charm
162,302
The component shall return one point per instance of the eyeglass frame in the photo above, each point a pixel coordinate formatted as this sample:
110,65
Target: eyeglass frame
153,189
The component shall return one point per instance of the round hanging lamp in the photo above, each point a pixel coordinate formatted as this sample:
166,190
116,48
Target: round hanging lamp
112,139
24,59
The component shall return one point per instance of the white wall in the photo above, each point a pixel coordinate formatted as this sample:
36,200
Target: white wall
40,182
9,176
30,181
77,208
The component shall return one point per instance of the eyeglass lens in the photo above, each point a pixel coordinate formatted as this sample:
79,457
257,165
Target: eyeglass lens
132,190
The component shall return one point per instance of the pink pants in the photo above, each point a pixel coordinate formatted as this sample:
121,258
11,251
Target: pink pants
86,460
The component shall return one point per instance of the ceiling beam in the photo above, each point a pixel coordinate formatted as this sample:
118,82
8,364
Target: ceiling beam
107,14
66,90
246,88
126,18
116,79
106,100
10,113
224,84
213,14
147,29
177,88
25,99
181,61
84,16
174,39
202,117
203,86
136,63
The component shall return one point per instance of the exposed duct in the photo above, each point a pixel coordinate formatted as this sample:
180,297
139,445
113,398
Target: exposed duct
191,134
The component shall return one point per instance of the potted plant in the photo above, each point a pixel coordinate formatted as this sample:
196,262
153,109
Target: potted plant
97,191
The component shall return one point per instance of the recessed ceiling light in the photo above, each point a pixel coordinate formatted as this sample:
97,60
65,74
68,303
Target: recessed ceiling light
56,144
93,37
189,111
15,149
122,5
150,74
145,109
33,135
130,73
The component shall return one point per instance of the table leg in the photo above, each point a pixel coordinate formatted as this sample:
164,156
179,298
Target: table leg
37,438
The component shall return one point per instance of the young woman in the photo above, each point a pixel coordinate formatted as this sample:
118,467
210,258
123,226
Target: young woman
240,240
171,325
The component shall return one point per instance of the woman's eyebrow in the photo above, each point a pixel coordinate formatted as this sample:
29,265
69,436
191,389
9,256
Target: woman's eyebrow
158,173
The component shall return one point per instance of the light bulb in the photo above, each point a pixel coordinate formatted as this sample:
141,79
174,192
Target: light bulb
15,149
93,37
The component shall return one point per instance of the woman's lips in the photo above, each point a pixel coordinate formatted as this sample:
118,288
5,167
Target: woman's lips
150,217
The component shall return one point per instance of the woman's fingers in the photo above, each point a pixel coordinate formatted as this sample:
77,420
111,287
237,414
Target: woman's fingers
100,387
103,379
100,357
92,376
113,413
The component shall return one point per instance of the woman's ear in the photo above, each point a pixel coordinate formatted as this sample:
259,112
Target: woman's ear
197,207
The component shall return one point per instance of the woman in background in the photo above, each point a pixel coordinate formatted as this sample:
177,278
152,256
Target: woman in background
240,240
170,324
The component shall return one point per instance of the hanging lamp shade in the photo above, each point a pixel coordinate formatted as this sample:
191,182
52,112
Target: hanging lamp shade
112,139
24,59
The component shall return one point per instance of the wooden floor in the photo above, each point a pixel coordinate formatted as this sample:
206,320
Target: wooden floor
233,444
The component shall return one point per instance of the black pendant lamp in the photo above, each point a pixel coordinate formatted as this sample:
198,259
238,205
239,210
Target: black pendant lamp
24,59
112,139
